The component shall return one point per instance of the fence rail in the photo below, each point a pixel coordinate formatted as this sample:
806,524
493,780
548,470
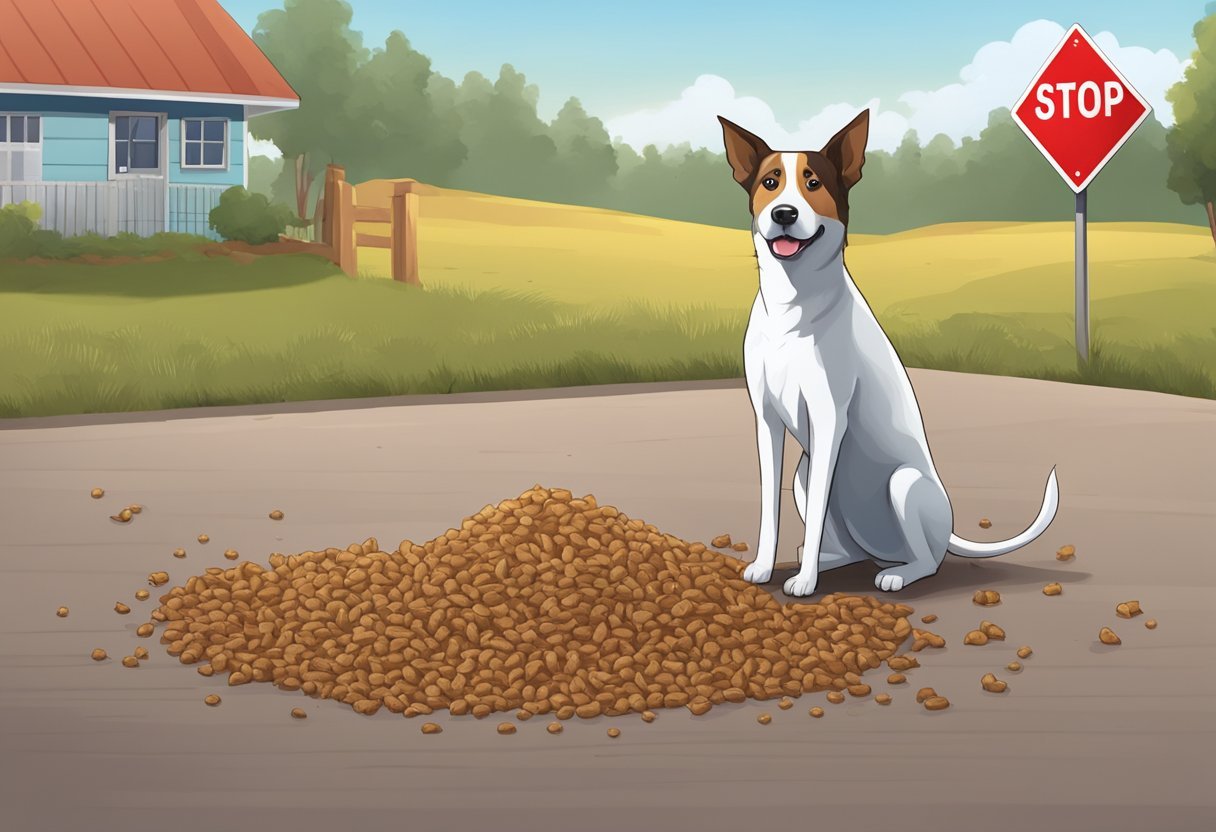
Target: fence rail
338,210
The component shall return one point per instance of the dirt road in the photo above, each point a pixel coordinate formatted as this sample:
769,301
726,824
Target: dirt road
1088,737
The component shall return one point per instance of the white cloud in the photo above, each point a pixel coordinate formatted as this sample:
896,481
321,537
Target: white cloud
998,73
263,147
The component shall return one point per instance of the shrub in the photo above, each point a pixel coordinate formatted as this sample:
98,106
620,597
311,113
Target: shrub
20,236
250,217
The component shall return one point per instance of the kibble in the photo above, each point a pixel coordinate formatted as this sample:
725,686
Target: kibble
648,716
97,493
431,728
1014,666
923,694
522,715
506,728
1107,636
211,699
98,655
764,719
924,638
179,553
1067,552
928,619
786,703
883,699
701,706
62,612
896,679
859,690
300,713
141,653
835,697
135,508
545,602
739,547
158,578
614,732
1024,652
990,683
121,608
816,712
202,538
231,554
142,595
977,637
903,662
986,597
1151,624
1053,589
206,670
554,727
1128,609
130,661
123,516
937,703
722,541
991,630
276,515
985,523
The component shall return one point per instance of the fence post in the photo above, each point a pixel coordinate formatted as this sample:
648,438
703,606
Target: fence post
405,233
333,175
318,218
343,218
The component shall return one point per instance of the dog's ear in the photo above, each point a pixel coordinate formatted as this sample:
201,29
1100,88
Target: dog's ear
744,151
847,149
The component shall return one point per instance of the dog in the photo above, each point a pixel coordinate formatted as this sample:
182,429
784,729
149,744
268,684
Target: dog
819,365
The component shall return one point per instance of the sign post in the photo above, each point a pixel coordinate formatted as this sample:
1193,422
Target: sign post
1078,111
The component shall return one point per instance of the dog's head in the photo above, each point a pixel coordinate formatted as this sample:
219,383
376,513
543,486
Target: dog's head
799,199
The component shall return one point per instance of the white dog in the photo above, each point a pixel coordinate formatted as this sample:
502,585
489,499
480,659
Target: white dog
819,365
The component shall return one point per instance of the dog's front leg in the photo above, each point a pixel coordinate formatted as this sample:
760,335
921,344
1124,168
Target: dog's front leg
770,442
827,431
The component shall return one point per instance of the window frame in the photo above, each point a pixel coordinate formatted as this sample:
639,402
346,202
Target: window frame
202,142
162,148
8,146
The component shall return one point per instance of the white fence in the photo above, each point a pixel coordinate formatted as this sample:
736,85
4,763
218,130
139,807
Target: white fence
137,206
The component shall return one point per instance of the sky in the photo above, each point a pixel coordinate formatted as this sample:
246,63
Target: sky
654,71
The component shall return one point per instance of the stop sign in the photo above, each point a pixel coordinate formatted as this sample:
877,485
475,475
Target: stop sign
1079,109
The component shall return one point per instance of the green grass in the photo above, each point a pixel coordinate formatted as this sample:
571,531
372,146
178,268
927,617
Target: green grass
195,331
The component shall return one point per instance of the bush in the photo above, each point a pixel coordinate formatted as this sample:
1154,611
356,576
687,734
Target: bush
250,217
20,236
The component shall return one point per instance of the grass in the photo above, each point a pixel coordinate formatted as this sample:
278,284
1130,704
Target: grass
537,296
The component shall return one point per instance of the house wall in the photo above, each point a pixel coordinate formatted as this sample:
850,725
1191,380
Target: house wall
75,143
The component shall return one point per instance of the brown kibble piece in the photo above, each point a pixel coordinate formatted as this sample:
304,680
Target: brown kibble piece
985,523
990,683
145,630
1066,552
506,728
97,493
299,713
991,630
986,597
816,712
1014,666
98,655
276,515
896,679
722,541
141,653
1053,589
928,619
614,732
130,661
211,699
739,547
835,697
62,612
903,662
135,508
179,553
883,699
1107,636
976,637
142,595
648,716
202,538
431,728
231,554
1151,624
554,727
522,715
924,693
700,706
859,690
937,703
1024,652
1128,609
786,703
764,719
123,516
121,608
158,578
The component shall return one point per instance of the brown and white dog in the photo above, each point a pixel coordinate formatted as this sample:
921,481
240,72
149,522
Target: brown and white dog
819,365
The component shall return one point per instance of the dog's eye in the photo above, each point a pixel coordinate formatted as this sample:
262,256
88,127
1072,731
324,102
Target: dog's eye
812,184
770,183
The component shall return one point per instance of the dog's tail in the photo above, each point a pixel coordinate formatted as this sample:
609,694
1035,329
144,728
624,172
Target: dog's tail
971,549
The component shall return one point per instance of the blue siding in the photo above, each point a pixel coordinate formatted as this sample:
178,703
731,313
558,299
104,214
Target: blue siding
76,134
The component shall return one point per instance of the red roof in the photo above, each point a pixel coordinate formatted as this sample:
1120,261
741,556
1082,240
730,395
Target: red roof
174,46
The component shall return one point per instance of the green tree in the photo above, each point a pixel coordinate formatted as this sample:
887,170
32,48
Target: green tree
586,157
1191,144
312,45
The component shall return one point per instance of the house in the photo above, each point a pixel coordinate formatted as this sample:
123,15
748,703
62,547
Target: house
128,115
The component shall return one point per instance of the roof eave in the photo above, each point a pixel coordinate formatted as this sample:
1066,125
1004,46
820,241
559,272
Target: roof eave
255,105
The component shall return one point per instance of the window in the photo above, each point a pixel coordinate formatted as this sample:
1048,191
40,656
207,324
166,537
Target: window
136,144
204,142
20,148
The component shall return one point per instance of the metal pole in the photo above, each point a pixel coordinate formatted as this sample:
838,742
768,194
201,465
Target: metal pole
1082,268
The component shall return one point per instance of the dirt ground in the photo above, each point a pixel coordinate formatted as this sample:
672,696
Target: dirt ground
1088,736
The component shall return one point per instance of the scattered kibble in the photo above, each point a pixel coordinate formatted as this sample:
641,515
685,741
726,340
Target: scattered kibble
990,683
896,679
722,541
1067,552
986,597
522,715
145,630
991,630
786,703
135,508
764,719
141,653
123,516
98,655
300,713
1024,652
883,699
158,578
1053,589
985,523
62,612
977,637
859,690
130,661
276,515
928,619
903,662
924,638
816,712
142,595
739,547
1107,636
97,493
1128,609
231,554
923,694
506,728
835,697
1151,624
614,732
700,705
206,670
554,727
937,703
431,728
1014,666
202,538
212,699
121,608
648,716
179,553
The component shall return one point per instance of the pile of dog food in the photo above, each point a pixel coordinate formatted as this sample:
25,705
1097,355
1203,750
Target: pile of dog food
544,603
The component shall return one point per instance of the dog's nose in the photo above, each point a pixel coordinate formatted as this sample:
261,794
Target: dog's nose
785,215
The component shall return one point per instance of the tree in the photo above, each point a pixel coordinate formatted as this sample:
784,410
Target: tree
1191,143
585,154
312,45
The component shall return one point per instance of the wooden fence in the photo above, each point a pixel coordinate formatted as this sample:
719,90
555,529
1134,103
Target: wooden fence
339,210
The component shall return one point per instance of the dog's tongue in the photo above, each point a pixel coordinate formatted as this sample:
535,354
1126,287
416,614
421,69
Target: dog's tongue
785,246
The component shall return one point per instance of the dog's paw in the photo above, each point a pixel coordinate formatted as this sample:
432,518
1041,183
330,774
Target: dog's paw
758,573
889,583
801,585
